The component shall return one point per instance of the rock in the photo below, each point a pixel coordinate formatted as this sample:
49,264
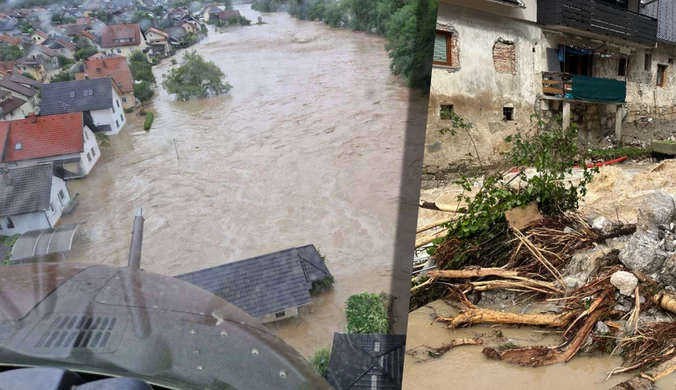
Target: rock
667,274
602,224
657,209
572,283
642,253
583,264
601,328
431,169
567,230
624,281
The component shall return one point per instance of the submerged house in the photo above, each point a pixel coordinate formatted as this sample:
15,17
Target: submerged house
99,99
31,198
366,361
270,287
64,140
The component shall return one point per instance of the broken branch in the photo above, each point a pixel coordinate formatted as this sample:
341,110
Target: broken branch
485,316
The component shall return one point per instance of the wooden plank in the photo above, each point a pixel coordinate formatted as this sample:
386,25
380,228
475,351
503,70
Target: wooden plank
550,82
555,91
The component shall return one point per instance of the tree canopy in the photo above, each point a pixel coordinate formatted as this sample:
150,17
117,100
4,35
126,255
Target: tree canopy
143,91
63,75
10,53
141,68
195,77
85,53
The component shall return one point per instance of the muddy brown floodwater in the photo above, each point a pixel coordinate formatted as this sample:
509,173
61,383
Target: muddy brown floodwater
616,192
306,149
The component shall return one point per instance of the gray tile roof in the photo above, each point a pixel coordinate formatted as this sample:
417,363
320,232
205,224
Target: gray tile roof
359,361
264,284
25,190
56,97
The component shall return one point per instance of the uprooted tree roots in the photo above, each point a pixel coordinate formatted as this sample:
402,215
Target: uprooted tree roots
532,261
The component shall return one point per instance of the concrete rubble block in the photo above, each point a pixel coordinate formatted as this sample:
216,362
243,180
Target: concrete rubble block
642,253
601,328
657,209
583,264
624,281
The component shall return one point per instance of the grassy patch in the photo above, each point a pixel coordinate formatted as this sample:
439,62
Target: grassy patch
129,110
609,154
507,345
149,121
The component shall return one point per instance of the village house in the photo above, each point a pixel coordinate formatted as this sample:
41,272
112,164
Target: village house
32,66
607,71
99,98
366,361
10,107
121,39
23,89
191,26
89,37
61,46
50,60
158,41
6,67
227,15
12,40
116,67
270,287
39,36
33,197
209,12
64,140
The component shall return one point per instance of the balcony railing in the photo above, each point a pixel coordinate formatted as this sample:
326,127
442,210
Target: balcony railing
583,88
598,18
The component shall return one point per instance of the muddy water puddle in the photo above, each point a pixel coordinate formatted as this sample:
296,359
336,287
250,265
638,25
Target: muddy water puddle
306,149
466,367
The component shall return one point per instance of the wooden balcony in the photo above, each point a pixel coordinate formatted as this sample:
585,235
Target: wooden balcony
567,86
599,19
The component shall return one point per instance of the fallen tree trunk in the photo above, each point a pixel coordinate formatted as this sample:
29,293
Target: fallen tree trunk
438,207
666,301
473,273
428,239
527,284
433,225
543,356
646,380
437,352
485,316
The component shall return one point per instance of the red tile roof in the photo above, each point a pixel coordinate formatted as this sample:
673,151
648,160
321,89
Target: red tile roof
110,35
158,32
14,41
115,67
51,135
87,34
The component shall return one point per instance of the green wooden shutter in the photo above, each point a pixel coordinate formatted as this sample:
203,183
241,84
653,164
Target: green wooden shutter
440,48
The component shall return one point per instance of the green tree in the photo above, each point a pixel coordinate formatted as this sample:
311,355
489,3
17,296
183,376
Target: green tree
141,68
366,314
85,53
10,53
158,10
26,28
143,91
63,75
195,77
320,361
63,60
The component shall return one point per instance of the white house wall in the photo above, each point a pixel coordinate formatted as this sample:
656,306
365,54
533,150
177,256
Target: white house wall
56,203
24,223
477,91
108,116
91,150
527,14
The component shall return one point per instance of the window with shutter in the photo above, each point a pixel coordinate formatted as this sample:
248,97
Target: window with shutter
442,48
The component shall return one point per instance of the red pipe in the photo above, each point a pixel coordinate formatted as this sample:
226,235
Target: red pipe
609,162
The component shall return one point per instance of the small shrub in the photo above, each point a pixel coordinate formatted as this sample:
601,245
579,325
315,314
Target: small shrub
142,112
366,314
322,284
173,61
155,61
320,361
129,110
149,121
102,139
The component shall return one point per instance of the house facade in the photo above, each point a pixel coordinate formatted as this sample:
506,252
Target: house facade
100,99
39,36
34,198
48,56
497,62
31,66
64,140
21,88
158,41
122,39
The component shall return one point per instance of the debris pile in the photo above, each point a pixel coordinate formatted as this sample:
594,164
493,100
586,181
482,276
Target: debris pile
609,285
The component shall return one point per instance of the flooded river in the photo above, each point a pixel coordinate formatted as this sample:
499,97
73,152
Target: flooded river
306,149
615,192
